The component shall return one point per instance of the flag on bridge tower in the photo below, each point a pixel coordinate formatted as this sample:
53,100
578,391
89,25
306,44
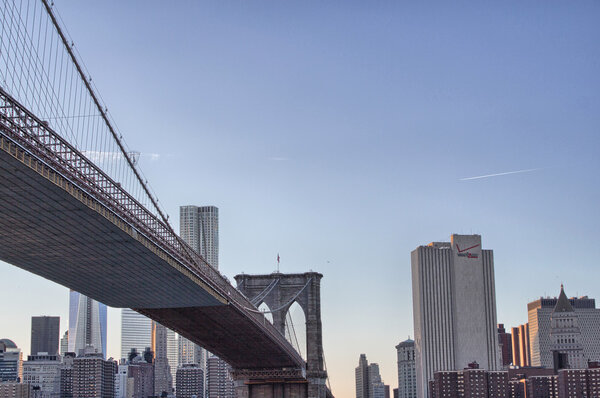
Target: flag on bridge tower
277,262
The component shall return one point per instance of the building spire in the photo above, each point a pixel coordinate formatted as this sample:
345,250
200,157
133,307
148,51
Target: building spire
563,304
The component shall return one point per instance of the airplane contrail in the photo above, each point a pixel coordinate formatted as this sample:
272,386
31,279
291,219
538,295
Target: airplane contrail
498,174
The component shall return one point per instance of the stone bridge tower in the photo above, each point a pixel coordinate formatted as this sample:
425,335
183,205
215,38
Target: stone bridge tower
279,291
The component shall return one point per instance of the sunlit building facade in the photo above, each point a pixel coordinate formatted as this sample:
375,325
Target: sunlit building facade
407,379
454,308
540,328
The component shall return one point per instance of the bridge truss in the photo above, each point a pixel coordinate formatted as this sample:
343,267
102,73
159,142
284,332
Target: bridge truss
51,112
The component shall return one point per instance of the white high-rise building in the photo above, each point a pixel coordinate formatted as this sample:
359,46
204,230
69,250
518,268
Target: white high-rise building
136,332
454,307
172,353
199,228
407,379
87,324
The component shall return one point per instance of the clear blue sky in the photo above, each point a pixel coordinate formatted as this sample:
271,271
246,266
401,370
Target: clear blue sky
336,133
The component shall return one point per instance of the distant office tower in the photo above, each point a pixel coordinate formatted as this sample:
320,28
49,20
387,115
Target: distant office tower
218,379
162,371
190,381
199,227
92,376
136,331
87,324
44,334
172,354
11,361
190,353
565,334
376,386
42,372
361,374
64,343
368,380
454,307
540,328
505,342
521,353
407,379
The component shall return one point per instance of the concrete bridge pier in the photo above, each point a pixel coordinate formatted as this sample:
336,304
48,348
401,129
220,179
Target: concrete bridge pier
270,384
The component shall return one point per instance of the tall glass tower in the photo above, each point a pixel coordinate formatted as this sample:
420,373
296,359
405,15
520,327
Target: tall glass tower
136,332
87,323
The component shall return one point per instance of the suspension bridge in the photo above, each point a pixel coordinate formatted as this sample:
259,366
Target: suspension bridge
75,208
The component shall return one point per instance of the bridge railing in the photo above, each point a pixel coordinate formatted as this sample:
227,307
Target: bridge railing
43,81
36,137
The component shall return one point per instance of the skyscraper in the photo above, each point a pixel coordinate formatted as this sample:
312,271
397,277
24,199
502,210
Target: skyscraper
407,380
172,354
454,307
87,324
44,334
541,342
136,332
505,342
361,375
520,345
368,380
199,227
376,386
565,333
163,381
190,353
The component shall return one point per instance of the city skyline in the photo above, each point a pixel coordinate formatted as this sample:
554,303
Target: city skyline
344,152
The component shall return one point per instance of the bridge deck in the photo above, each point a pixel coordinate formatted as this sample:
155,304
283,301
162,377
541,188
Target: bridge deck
50,227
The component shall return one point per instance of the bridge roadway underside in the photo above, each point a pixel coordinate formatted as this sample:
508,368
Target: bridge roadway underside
58,233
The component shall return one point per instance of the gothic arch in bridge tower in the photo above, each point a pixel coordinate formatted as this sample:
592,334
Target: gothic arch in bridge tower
295,327
264,307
